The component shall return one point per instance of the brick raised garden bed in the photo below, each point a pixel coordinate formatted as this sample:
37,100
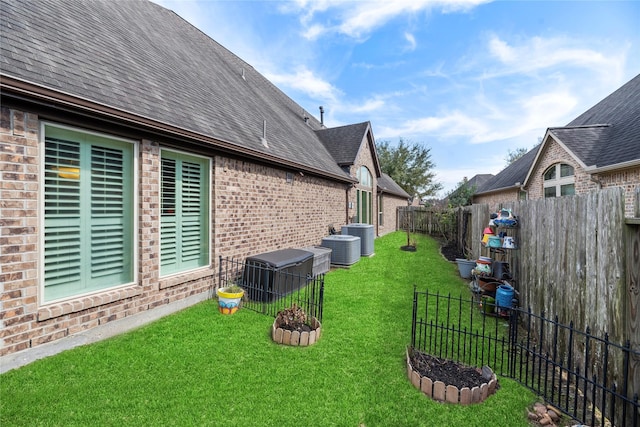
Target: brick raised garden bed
297,338
438,390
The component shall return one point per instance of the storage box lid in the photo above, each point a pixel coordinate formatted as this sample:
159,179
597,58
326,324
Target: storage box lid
281,258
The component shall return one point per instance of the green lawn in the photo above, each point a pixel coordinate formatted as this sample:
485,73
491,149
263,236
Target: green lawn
198,367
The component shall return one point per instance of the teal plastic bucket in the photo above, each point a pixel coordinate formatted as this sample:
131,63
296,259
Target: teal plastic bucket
504,296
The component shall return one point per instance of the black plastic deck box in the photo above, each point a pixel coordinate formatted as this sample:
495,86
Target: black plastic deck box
271,275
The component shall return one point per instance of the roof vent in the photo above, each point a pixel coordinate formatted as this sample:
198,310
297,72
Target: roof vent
263,139
243,77
321,115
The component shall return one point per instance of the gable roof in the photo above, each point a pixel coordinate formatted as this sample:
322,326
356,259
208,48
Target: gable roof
345,143
607,134
386,184
138,60
512,176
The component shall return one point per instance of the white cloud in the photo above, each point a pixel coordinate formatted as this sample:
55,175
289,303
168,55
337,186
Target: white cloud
305,81
539,53
357,19
412,41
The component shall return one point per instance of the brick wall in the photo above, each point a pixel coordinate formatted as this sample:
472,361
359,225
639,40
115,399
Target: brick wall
496,199
19,229
390,205
364,158
255,210
629,179
553,153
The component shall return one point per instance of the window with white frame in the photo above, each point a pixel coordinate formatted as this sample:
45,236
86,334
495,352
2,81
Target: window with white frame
184,200
364,199
559,180
89,193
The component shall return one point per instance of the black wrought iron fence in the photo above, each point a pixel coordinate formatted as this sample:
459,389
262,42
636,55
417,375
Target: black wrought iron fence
269,290
587,377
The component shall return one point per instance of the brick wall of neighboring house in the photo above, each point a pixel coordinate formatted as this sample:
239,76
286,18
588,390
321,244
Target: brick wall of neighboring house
629,179
496,199
255,210
390,205
553,153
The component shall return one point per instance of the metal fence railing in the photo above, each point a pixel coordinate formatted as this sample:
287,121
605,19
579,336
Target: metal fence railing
269,290
587,377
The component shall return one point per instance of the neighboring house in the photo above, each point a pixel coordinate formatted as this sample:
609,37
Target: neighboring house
390,197
135,151
599,149
475,184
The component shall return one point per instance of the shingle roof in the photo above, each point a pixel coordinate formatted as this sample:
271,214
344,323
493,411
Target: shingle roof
386,184
616,142
143,59
607,134
343,142
516,172
480,180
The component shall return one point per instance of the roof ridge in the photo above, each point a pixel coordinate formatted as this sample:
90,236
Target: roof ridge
582,126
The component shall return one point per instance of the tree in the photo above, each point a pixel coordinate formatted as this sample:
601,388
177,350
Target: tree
462,195
410,166
514,155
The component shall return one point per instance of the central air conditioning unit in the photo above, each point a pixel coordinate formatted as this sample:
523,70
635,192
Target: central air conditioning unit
345,250
366,234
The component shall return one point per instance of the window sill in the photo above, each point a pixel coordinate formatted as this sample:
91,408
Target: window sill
185,276
86,302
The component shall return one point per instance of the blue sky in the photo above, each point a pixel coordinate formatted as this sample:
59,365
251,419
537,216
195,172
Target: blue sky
470,80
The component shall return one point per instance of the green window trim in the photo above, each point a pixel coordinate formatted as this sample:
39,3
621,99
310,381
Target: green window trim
89,212
184,201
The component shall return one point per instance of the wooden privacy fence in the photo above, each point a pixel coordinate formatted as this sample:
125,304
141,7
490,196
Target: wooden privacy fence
578,258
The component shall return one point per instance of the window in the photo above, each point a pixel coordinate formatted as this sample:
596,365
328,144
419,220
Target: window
380,210
184,200
89,187
363,196
559,180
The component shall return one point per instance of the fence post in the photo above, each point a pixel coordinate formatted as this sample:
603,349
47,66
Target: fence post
414,317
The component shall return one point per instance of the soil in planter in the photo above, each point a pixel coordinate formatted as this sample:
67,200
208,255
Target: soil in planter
300,328
447,371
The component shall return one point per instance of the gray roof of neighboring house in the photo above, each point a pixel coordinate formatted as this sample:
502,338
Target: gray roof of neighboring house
386,184
144,60
609,132
479,180
516,172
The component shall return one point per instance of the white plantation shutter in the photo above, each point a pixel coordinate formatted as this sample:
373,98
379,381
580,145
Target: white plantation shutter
88,213
185,217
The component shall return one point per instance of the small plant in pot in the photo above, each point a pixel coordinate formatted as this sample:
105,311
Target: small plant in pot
292,326
229,298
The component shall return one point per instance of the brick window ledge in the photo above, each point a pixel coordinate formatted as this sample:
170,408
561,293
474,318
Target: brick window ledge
90,301
184,277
